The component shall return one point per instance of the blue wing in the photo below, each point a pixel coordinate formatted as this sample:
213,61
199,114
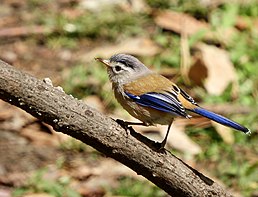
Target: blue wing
166,102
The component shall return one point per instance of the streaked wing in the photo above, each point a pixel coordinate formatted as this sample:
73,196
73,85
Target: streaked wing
187,97
165,102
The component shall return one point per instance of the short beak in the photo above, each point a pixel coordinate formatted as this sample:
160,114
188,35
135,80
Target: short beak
106,62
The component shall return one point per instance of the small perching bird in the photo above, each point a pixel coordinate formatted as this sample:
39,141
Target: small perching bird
152,98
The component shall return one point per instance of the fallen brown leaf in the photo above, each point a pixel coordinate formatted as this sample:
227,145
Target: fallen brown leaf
180,22
213,69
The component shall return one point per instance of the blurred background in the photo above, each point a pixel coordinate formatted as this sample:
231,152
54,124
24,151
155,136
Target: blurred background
208,47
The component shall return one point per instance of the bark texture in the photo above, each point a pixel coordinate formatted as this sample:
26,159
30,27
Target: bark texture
75,118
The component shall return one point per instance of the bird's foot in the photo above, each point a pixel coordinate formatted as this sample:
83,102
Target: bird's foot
122,123
159,147
156,146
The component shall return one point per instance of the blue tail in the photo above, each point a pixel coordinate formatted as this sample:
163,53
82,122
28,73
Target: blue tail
220,119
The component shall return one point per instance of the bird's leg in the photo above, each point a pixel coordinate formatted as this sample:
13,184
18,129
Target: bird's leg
163,143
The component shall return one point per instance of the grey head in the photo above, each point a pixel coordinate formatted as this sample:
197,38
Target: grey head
124,68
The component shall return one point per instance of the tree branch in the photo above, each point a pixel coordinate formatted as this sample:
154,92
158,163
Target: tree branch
74,118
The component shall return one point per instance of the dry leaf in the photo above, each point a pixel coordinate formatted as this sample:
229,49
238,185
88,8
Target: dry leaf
213,69
180,22
136,46
225,132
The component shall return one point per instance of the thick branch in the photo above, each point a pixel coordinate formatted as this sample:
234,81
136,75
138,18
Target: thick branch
73,117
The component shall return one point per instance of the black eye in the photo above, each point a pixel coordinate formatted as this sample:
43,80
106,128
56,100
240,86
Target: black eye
118,68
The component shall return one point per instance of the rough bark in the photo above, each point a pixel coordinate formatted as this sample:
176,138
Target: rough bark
75,118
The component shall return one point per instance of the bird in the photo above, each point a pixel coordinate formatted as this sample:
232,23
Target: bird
152,98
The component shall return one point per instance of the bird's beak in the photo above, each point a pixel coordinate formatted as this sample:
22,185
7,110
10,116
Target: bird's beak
106,62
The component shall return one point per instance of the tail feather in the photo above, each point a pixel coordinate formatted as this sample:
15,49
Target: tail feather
220,119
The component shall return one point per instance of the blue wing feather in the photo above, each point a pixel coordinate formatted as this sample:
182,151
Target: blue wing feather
220,119
160,101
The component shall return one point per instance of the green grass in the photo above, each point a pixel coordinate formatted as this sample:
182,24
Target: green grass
136,188
233,164
39,184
